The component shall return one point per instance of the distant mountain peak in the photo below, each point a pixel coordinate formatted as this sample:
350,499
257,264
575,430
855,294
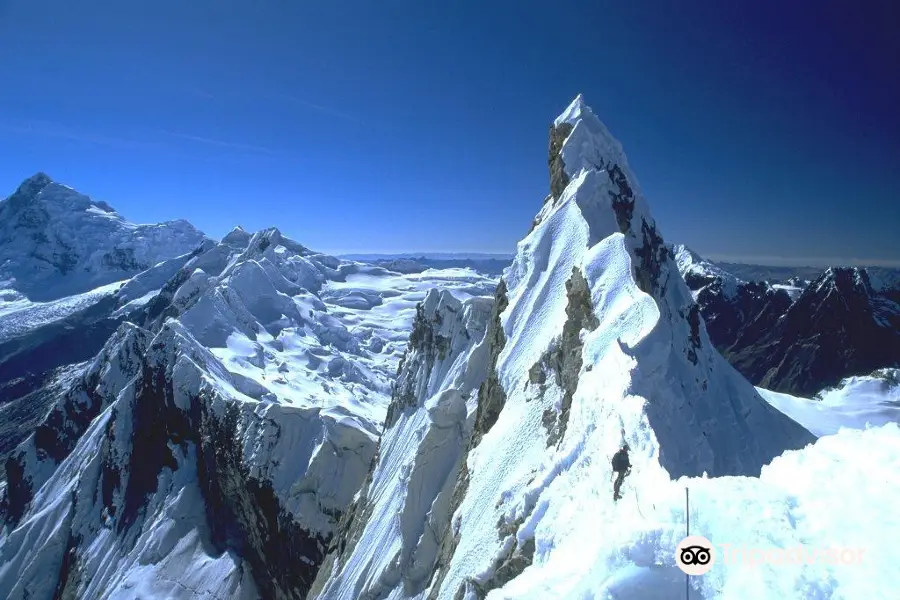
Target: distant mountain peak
844,280
29,189
39,179
237,237
56,241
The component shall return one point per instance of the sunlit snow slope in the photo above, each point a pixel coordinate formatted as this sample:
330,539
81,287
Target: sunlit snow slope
594,339
212,446
856,403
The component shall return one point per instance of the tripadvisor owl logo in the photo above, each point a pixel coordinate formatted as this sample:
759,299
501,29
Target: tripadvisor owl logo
695,555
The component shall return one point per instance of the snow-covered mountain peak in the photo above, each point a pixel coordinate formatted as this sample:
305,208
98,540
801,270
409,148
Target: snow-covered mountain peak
843,276
55,241
845,282
270,240
30,188
237,237
598,245
50,195
703,276
574,111
593,340
583,142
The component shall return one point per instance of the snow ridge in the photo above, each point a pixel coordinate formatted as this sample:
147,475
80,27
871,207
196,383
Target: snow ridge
419,456
594,340
214,444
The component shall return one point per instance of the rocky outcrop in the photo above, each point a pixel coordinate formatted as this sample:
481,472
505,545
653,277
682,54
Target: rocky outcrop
69,418
564,360
434,403
752,311
148,426
558,178
840,326
491,396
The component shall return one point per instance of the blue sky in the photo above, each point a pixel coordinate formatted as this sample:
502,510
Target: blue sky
763,132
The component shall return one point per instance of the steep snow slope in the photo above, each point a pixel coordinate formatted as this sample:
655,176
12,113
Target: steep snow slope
699,272
813,503
212,446
856,403
40,343
594,340
428,424
55,242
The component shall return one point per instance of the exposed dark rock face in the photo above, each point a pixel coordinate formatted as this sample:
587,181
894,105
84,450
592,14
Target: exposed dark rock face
839,327
564,360
56,436
245,515
651,251
749,313
558,178
243,512
491,396
123,259
425,346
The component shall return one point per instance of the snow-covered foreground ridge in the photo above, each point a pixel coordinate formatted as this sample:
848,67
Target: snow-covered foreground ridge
593,340
212,446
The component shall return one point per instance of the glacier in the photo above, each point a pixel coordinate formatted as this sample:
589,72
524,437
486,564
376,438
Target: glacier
212,445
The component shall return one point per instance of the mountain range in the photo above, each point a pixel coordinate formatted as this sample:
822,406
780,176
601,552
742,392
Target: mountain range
799,337
184,417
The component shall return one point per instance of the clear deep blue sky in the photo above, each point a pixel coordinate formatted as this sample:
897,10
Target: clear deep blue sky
770,130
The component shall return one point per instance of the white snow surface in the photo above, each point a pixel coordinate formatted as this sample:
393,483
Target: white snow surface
20,316
648,376
304,344
420,455
855,403
816,500
792,290
689,262
56,242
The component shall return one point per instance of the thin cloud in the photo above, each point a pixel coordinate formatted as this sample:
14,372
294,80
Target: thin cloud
787,261
325,109
217,142
59,131
316,107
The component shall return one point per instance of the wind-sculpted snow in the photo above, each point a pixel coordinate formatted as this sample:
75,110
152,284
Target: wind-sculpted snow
213,445
594,340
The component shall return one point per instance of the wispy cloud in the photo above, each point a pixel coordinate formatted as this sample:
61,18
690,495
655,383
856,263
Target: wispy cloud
793,261
148,142
50,129
216,142
321,108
